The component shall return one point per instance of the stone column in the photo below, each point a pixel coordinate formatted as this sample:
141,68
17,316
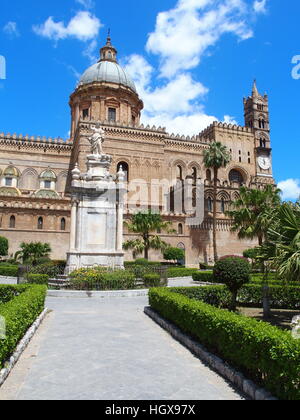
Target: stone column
120,209
73,226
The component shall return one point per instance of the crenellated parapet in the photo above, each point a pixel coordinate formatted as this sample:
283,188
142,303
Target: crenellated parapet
37,142
229,128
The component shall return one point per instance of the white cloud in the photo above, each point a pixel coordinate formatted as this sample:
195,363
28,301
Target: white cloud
88,4
260,6
183,34
290,189
84,26
11,29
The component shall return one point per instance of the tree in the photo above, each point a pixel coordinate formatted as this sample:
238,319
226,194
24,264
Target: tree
174,254
254,211
252,215
33,251
282,250
3,246
146,225
234,272
216,157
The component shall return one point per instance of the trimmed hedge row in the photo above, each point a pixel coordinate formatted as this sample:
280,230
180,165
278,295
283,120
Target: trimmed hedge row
264,353
249,295
19,314
8,292
37,278
204,276
181,272
9,270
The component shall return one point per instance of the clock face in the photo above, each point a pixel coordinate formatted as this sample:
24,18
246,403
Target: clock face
264,163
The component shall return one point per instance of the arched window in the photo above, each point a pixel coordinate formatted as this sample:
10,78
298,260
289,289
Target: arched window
208,174
125,168
236,176
209,204
63,224
40,224
180,229
179,172
262,123
12,222
194,197
223,205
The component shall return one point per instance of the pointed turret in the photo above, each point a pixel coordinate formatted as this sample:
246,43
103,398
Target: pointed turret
255,93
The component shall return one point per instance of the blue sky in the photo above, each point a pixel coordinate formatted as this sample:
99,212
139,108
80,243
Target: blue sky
192,61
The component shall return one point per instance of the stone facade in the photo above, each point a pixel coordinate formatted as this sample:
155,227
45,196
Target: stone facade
35,173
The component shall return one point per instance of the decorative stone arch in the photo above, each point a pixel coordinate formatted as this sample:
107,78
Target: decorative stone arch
223,195
29,180
10,192
179,163
48,179
242,171
10,177
125,163
235,196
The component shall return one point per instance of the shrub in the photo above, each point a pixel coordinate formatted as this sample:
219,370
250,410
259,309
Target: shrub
203,276
37,278
9,270
234,272
249,296
8,292
151,280
99,278
3,246
174,254
51,268
265,354
19,313
181,272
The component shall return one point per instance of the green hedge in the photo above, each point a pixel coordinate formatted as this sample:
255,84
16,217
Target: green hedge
264,353
100,279
37,278
9,270
181,272
19,313
249,295
151,280
8,292
204,276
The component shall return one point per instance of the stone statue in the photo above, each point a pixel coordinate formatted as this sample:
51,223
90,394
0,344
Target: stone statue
96,140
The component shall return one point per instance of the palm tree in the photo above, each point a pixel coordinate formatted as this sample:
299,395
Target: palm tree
253,212
216,157
147,225
282,249
33,251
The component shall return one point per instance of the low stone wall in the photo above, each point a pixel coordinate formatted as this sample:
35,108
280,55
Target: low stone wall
8,280
97,295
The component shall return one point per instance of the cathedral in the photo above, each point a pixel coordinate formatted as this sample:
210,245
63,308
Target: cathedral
35,201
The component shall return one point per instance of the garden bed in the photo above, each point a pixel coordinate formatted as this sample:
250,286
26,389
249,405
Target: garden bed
264,353
20,306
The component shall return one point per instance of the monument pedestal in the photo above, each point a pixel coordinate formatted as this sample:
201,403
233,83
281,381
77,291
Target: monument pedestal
97,217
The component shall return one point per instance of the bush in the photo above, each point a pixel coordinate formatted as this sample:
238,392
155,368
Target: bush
3,246
248,296
151,280
9,270
174,254
234,272
8,292
37,278
99,278
203,276
20,313
265,354
51,268
181,272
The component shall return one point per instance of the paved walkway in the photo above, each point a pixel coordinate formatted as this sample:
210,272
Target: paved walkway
91,349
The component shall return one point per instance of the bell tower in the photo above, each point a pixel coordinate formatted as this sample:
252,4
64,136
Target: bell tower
256,111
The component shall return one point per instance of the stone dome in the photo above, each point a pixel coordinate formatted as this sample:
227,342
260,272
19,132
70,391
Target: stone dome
107,71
